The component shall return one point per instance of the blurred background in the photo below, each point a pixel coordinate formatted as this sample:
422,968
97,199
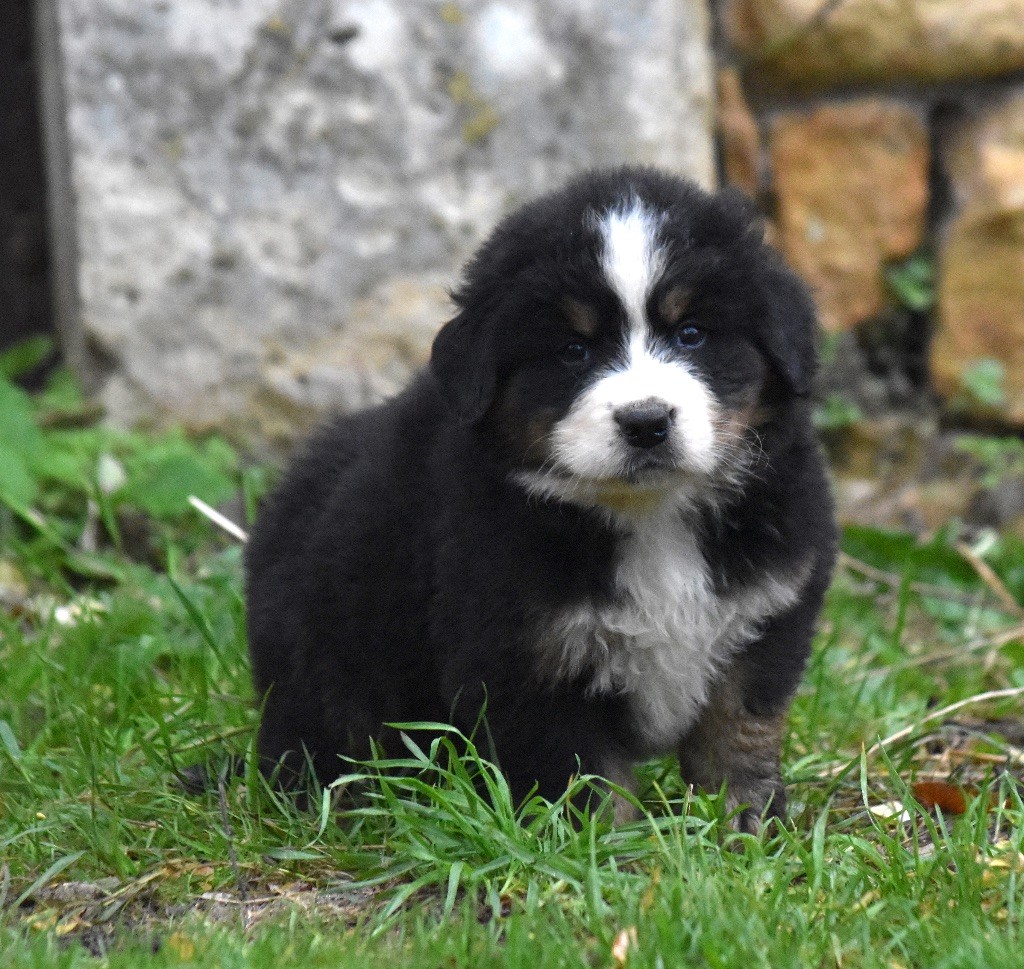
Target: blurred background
219,218
231,215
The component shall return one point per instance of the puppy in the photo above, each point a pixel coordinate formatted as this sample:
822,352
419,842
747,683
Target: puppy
601,513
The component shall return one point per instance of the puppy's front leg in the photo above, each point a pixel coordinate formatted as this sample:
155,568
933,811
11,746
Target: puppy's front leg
731,744
738,737
542,740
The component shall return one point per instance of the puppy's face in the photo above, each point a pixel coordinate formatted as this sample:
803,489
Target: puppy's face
629,340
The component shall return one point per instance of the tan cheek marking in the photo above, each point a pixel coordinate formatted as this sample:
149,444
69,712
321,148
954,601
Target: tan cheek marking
674,304
530,442
529,439
538,437
759,416
582,318
733,421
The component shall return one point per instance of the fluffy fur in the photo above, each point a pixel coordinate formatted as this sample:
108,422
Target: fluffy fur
601,511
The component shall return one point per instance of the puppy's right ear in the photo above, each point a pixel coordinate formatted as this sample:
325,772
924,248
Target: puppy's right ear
462,362
788,331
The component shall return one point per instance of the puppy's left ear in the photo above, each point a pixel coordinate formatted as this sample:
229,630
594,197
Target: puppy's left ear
788,331
462,362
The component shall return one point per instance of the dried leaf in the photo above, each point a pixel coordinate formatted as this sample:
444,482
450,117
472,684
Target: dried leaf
71,922
181,945
647,902
888,809
44,921
620,947
1004,856
110,474
938,794
868,898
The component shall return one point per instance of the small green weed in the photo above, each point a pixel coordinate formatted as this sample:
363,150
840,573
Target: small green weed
1000,457
912,282
76,497
983,384
836,414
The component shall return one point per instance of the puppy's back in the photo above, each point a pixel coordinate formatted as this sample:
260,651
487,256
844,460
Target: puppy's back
337,589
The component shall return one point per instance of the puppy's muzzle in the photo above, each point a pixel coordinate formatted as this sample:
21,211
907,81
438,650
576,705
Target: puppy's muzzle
645,423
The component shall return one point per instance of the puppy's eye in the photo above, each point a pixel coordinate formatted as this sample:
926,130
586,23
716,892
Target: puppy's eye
574,354
688,337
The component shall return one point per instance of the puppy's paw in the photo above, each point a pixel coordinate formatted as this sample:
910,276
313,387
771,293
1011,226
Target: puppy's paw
755,802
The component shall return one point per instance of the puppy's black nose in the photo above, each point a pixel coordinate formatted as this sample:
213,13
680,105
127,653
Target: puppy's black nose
645,423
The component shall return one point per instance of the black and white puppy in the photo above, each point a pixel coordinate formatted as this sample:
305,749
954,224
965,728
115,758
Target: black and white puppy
601,511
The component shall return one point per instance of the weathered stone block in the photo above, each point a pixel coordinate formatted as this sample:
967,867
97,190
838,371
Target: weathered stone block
981,282
249,174
852,186
811,45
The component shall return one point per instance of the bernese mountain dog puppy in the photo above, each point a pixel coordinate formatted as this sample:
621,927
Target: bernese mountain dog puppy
600,515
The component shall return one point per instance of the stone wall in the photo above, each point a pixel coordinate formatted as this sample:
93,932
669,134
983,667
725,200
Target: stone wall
880,130
273,196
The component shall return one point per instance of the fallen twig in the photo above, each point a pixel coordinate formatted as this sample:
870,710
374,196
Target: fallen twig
1013,755
216,738
221,898
993,641
840,769
229,834
989,577
943,712
895,580
221,521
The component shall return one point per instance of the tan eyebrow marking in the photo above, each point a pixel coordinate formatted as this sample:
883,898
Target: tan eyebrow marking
674,303
582,318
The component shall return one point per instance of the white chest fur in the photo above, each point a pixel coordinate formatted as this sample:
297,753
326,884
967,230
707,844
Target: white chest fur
667,633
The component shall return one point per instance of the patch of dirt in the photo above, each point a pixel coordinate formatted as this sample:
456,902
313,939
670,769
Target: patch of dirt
905,471
101,915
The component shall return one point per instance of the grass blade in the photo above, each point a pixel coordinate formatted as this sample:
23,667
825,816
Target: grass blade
55,869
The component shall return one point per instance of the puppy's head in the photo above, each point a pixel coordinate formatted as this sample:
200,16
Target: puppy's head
623,339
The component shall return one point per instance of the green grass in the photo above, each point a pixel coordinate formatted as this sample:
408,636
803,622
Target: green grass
122,659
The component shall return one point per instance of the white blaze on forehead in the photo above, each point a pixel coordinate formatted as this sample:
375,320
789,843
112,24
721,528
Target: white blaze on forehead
631,258
588,448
